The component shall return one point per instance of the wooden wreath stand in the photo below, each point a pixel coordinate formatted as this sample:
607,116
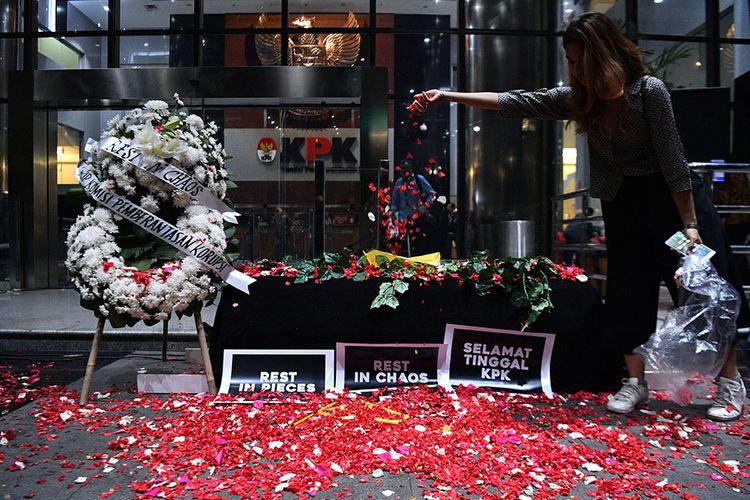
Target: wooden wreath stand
98,338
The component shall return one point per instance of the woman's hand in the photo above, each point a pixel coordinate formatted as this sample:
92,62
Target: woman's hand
694,237
425,100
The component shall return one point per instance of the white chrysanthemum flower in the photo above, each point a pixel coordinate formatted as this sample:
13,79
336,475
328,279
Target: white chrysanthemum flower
149,203
156,105
190,266
200,174
91,236
192,156
180,198
101,215
195,122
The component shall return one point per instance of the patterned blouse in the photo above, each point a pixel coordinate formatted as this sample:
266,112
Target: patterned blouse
646,142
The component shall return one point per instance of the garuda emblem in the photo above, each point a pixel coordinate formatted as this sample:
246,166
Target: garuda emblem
266,150
309,49
313,49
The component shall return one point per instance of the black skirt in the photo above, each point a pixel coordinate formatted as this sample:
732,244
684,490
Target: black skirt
638,222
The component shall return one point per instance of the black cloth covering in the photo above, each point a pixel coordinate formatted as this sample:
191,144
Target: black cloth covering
316,316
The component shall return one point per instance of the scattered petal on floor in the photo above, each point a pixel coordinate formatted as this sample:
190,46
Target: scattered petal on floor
472,441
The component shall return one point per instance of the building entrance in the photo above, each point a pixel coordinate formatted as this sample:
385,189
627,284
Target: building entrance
305,145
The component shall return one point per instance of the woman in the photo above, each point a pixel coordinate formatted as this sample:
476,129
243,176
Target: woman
638,169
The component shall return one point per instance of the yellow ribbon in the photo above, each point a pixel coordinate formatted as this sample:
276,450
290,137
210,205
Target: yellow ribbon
403,416
432,259
320,411
325,412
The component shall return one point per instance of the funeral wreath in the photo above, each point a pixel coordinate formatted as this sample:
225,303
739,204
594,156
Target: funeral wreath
154,244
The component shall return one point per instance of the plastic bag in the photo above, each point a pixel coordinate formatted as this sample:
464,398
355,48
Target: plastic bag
696,336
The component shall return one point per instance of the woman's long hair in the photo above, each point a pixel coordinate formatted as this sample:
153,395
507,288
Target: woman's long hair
609,62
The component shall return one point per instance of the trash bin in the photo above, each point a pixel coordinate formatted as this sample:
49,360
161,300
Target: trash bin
516,238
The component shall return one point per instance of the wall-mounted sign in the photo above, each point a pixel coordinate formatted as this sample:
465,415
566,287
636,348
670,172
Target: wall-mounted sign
305,150
276,370
505,359
267,150
366,367
258,154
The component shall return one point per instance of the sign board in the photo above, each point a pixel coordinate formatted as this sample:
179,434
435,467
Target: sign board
263,154
276,370
366,367
504,359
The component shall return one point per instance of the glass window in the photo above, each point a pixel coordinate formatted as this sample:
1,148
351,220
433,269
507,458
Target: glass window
10,16
239,49
321,49
734,23
272,153
72,52
11,53
137,14
54,15
561,64
677,64
4,207
417,15
734,19
264,49
672,17
73,129
73,15
727,64
573,153
417,62
490,14
241,13
156,51
567,9
327,14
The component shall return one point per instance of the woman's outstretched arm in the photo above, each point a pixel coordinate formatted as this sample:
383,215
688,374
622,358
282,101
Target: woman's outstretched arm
542,103
425,100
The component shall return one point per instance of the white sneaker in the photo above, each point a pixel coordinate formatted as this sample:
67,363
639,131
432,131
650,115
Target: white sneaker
728,401
632,393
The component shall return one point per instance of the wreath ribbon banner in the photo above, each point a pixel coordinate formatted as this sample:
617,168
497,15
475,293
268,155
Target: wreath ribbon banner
170,174
164,230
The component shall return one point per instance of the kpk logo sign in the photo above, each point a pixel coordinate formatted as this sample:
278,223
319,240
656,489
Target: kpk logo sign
267,150
305,150
260,153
